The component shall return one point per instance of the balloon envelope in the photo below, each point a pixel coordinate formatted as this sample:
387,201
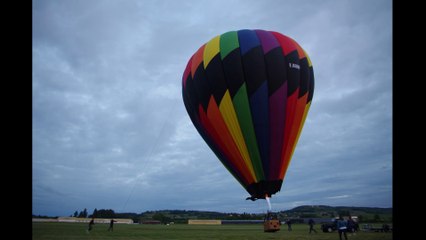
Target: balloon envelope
247,93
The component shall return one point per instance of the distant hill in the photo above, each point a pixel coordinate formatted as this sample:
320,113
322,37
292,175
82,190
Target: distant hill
182,216
324,208
365,214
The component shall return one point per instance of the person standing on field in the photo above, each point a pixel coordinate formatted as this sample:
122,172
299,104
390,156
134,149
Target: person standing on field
111,225
311,226
289,225
351,226
342,226
91,223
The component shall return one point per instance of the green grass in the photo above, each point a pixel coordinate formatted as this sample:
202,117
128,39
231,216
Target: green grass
66,231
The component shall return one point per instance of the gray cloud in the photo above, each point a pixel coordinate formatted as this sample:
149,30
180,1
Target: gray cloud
110,129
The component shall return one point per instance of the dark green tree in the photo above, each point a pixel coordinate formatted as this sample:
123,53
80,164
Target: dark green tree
161,217
75,214
95,213
377,218
343,213
105,213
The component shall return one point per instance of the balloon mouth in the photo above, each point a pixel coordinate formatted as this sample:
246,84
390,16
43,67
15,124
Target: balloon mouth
269,202
263,189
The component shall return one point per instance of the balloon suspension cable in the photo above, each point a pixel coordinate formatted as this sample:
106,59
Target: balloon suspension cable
269,203
148,157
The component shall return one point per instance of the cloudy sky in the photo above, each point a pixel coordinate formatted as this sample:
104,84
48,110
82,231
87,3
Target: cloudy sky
110,130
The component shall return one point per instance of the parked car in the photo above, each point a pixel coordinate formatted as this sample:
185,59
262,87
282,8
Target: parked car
332,226
329,226
371,228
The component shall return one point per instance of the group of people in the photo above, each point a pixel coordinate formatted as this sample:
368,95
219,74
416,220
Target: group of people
92,222
342,225
311,223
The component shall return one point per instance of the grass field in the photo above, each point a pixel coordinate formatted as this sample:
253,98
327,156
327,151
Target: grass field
66,231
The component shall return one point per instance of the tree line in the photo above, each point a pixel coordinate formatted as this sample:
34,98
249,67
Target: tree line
102,213
371,215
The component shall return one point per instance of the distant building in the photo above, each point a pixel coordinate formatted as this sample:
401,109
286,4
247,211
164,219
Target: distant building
204,222
242,221
150,222
97,220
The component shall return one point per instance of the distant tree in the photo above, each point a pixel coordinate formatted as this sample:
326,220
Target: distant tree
85,213
75,214
95,213
105,213
344,213
80,215
376,218
161,217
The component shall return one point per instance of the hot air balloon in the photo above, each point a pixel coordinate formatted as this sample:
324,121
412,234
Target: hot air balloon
248,93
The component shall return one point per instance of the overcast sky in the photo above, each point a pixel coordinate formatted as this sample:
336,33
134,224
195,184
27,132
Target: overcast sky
110,130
